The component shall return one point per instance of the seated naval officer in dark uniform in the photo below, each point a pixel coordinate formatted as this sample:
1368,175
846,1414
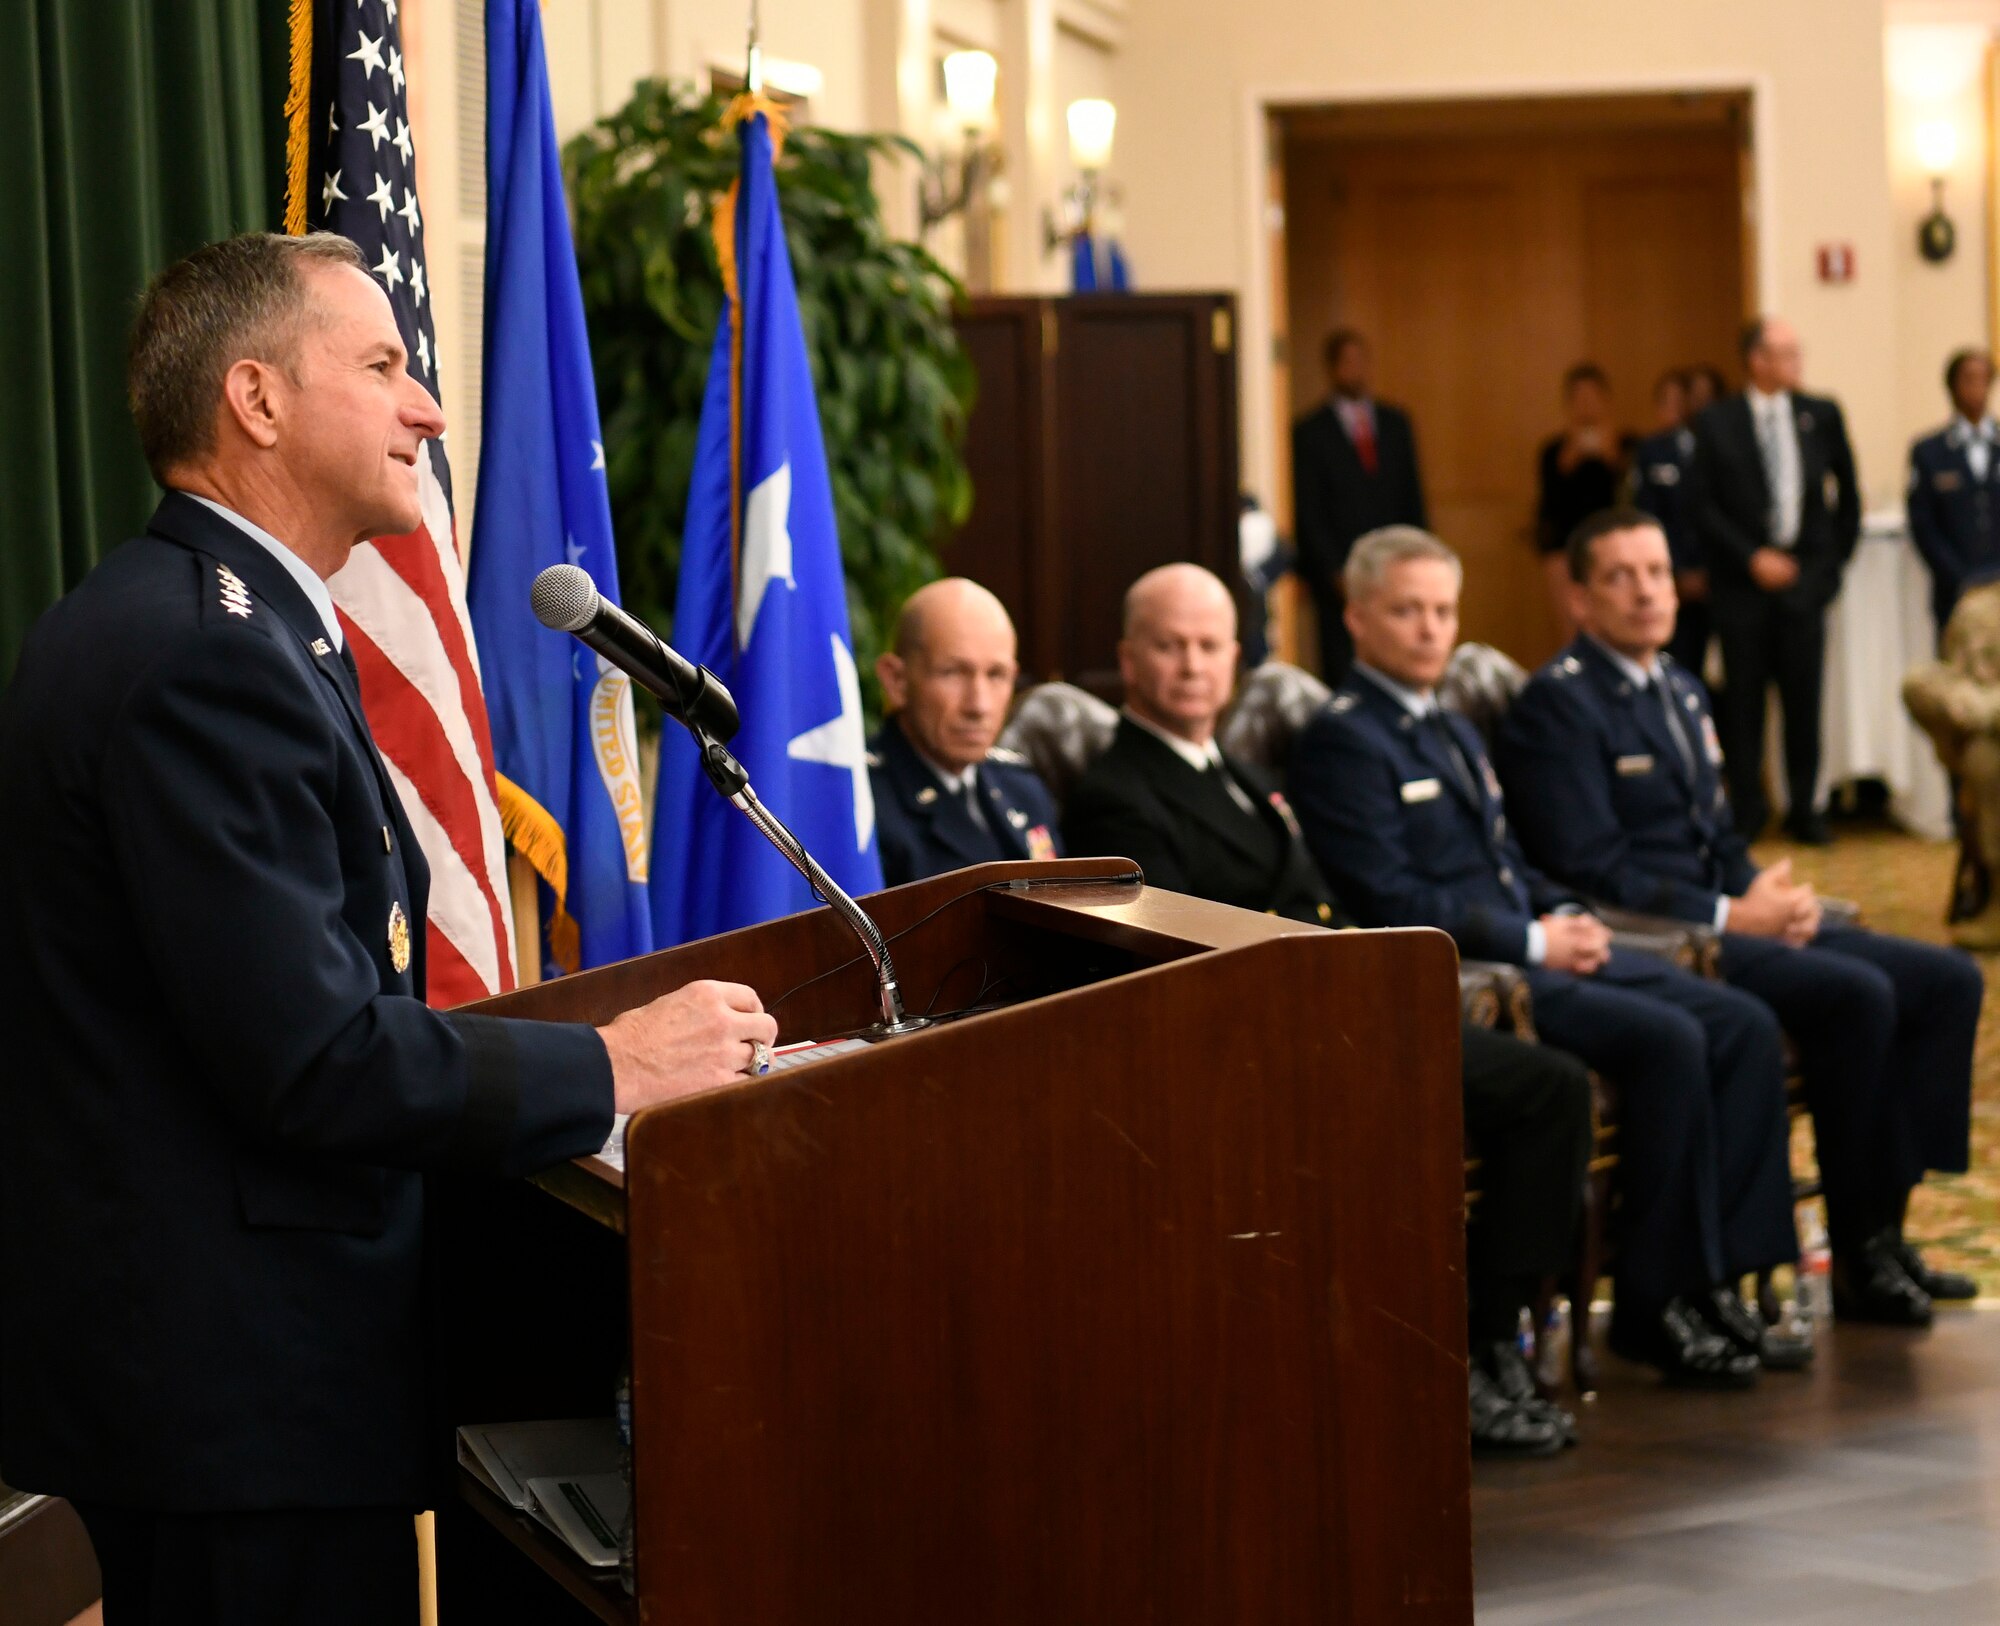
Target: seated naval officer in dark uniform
223,1085
945,795
1659,486
1401,808
1613,769
1203,823
1954,497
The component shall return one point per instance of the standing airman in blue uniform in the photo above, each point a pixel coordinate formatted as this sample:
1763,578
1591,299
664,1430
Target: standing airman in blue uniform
1402,809
1613,767
1954,497
945,795
1659,486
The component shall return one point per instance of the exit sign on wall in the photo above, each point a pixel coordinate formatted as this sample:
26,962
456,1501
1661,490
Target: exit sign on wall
1836,262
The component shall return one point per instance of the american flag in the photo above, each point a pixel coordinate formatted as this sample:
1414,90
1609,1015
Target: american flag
402,598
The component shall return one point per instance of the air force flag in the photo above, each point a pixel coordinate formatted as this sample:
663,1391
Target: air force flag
563,738
762,601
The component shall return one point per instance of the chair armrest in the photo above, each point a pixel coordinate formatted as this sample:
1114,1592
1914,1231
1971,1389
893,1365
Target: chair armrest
1491,985
1479,997
1839,912
1690,946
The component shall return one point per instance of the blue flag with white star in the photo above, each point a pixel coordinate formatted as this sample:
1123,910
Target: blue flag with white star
563,738
762,602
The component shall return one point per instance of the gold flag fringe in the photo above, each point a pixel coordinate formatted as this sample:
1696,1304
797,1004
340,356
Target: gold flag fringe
297,129
535,835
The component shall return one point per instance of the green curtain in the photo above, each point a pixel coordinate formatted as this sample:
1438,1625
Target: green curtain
130,132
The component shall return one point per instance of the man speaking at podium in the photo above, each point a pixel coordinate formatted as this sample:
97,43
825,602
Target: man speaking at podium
223,1082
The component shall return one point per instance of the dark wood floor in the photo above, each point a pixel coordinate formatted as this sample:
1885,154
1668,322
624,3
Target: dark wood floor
1865,1491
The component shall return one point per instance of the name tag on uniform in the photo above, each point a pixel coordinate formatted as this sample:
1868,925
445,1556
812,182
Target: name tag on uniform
1635,765
1420,790
1946,480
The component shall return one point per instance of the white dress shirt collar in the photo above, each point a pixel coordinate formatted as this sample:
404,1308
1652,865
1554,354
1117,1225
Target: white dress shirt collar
955,780
1760,403
1198,757
1964,431
1641,677
309,581
1417,702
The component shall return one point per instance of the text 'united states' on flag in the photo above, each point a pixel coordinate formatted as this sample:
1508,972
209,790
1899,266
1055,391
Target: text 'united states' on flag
351,169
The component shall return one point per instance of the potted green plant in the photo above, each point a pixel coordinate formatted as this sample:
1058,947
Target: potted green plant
894,385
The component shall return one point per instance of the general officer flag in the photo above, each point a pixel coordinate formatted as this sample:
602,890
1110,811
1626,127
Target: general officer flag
763,602
563,738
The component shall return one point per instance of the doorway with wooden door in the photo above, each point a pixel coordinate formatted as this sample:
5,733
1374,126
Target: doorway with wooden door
1484,247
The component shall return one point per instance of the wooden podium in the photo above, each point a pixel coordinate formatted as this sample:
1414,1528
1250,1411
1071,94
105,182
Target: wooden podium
1137,1295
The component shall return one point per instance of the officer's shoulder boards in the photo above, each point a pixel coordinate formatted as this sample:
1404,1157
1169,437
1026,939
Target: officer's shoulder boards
233,594
1008,756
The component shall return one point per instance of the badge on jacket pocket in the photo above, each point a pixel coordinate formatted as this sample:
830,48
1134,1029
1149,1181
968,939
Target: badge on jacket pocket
1420,790
1631,766
1946,480
399,939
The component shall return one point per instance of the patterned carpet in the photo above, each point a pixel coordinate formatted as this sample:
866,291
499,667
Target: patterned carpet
1902,885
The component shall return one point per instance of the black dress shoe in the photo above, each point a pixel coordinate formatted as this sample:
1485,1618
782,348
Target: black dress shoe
1945,1286
1776,1349
1873,1287
1684,1349
1808,829
1504,1363
1502,1429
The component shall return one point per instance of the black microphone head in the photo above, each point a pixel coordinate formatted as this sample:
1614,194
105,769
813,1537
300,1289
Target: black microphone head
565,598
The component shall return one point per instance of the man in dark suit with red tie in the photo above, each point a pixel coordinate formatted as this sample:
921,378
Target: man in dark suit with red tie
1354,469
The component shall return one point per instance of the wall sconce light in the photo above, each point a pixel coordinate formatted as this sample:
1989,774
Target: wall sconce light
1092,123
952,180
963,182
1937,148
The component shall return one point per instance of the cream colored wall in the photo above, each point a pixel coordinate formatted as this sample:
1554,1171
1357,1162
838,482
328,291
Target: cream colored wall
1839,86
1190,86
1937,71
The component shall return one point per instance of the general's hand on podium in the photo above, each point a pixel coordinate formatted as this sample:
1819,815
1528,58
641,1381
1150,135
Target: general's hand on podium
696,1038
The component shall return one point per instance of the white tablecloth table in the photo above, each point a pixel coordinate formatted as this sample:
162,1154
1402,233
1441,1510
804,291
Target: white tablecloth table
1877,630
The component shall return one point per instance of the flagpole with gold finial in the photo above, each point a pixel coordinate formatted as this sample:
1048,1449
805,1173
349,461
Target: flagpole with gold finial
753,72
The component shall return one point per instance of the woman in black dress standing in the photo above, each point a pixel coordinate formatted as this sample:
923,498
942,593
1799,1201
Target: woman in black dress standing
1582,470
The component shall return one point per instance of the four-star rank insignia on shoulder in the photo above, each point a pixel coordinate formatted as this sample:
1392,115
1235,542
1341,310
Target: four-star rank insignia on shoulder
235,594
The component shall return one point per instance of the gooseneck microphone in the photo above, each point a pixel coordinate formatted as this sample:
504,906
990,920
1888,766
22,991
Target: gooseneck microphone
567,600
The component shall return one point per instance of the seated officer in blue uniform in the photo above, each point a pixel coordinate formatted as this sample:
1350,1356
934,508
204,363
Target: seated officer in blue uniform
1954,497
1659,486
223,1086
945,795
1613,769
1203,823
1402,810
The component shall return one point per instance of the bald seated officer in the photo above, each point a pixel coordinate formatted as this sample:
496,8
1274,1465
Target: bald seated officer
1613,769
223,1087
1203,823
946,796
